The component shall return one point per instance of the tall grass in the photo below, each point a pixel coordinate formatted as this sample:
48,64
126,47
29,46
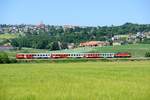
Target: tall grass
76,81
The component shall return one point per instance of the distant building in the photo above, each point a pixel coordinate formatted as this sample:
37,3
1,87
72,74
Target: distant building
147,35
94,43
116,37
71,45
41,25
65,27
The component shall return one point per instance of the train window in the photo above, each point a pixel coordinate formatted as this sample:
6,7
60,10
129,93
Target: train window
103,55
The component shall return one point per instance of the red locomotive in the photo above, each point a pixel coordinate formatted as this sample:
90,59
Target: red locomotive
122,55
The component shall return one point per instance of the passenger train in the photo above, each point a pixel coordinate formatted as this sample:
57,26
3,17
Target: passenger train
71,55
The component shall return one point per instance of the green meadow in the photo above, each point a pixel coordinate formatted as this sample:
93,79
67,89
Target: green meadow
76,81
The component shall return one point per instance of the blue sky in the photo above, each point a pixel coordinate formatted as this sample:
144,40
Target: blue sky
75,12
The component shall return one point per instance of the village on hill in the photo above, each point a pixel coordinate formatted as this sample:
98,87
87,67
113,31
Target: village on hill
52,37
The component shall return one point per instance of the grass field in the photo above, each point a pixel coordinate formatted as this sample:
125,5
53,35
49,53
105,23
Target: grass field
76,81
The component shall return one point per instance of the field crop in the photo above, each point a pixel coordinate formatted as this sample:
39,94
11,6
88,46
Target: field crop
76,81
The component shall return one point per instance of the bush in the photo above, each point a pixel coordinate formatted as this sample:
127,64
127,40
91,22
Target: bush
147,54
13,60
4,58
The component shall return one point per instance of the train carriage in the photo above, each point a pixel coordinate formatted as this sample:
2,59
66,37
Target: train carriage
59,55
33,56
107,55
91,55
41,56
20,56
24,56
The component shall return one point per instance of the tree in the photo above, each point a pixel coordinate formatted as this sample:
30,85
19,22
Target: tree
55,46
147,54
64,45
14,43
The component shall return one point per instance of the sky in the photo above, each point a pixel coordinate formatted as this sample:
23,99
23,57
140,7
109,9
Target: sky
75,12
